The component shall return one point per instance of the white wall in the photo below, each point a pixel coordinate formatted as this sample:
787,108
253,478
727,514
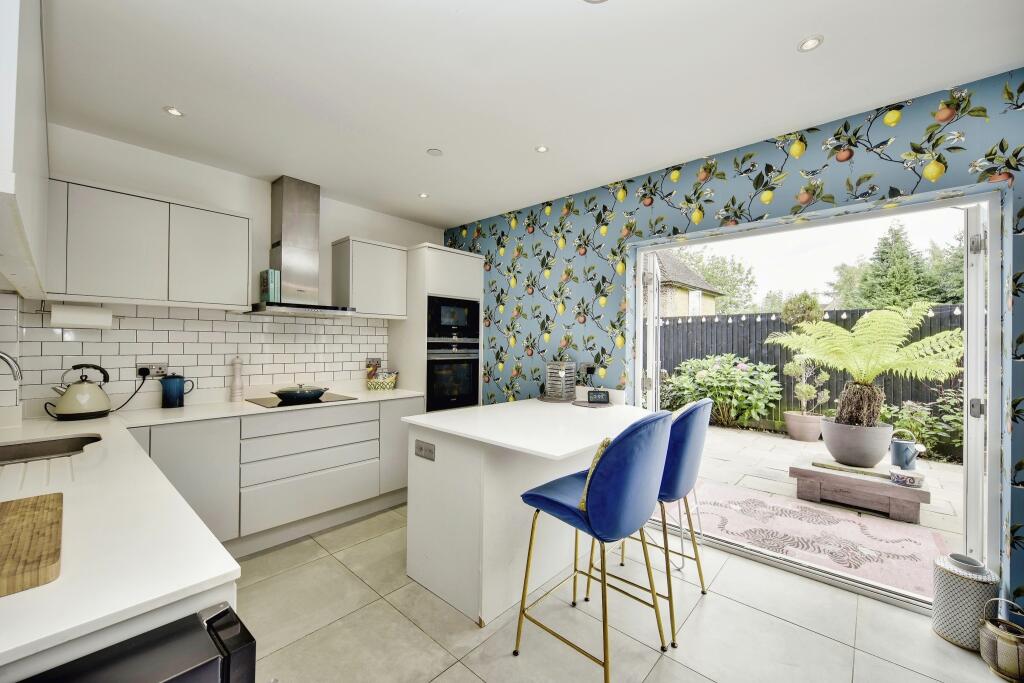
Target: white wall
81,156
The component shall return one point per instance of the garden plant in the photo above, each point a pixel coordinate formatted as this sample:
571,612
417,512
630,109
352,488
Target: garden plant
743,392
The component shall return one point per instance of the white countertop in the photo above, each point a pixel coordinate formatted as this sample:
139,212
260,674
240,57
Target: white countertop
548,430
129,543
211,411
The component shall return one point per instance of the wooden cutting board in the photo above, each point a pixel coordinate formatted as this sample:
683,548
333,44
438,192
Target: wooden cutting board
30,541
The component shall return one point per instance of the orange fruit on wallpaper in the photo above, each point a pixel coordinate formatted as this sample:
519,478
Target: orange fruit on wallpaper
945,114
797,149
647,201
804,197
999,177
892,117
845,154
703,174
934,170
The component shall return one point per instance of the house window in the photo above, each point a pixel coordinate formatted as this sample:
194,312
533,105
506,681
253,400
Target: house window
695,295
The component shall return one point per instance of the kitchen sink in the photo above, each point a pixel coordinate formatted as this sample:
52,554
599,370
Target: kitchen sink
48,448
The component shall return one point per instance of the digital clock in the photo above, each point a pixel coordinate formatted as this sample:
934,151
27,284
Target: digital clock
597,396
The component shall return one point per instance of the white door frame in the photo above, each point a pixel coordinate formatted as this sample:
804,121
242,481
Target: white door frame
984,472
645,364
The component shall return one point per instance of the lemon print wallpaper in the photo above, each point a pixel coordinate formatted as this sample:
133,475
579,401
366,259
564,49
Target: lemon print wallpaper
556,273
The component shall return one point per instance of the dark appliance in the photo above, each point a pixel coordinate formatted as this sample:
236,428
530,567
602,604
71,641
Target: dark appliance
277,402
453,374
212,646
452,320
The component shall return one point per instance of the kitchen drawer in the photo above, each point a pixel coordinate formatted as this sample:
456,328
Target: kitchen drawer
310,440
265,506
311,461
306,418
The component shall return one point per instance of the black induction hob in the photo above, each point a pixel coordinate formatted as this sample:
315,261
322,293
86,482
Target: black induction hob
275,402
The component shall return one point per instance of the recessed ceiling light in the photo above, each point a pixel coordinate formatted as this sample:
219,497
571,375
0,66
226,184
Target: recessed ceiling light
595,2
174,111
543,148
423,195
434,152
810,43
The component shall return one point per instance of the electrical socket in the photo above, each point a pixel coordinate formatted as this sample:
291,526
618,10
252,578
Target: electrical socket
155,369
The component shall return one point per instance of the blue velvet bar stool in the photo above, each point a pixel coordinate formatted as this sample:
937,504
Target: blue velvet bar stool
682,463
622,490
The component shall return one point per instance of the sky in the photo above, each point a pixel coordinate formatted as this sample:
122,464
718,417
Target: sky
821,248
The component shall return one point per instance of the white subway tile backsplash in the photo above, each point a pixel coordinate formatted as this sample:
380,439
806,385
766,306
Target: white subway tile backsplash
198,343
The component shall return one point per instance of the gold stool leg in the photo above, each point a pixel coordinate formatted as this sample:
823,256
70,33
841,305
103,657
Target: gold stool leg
654,589
668,574
622,553
604,616
526,583
590,571
696,551
575,563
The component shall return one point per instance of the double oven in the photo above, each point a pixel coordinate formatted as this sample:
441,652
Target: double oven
453,353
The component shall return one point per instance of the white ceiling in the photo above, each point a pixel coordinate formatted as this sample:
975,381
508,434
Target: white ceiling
350,93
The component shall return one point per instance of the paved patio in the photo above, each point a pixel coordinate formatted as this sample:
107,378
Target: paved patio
760,461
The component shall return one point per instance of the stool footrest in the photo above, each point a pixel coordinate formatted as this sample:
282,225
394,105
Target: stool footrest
562,638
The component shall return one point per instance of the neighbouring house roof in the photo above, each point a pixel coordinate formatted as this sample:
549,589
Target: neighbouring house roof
675,272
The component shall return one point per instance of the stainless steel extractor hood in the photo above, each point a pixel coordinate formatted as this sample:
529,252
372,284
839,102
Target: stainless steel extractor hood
295,250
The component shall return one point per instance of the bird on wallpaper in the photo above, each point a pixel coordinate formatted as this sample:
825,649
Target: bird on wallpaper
867,192
881,146
814,173
745,172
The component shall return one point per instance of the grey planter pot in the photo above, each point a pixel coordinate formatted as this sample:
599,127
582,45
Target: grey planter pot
802,427
856,446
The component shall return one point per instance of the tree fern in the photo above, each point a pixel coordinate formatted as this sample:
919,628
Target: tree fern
877,344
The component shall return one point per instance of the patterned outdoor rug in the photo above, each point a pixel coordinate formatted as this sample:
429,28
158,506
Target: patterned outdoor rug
864,546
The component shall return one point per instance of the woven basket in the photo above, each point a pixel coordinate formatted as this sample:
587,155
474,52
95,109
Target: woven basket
384,381
961,593
1002,643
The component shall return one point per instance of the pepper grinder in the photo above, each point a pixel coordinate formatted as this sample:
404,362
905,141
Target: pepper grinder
236,379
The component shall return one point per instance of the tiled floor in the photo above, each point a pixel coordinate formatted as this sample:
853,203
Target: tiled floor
338,607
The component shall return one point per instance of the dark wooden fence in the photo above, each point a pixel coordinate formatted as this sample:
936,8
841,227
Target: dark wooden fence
688,337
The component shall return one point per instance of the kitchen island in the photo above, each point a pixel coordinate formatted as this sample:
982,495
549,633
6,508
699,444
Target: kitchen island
468,529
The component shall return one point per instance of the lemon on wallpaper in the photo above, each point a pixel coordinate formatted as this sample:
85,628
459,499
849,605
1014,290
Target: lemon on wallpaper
463,232
620,340
673,175
767,196
547,273
892,117
601,372
934,170
512,340
561,243
620,194
513,222
620,267
501,366
697,216
603,230
501,308
547,209
602,301
547,336
501,251
560,308
797,149
512,281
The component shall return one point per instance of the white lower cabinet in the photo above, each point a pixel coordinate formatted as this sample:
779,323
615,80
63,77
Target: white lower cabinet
274,503
201,460
394,441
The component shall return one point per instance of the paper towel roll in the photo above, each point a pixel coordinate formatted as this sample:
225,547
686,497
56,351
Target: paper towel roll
63,315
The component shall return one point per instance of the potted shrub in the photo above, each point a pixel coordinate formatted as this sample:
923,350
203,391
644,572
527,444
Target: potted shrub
877,344
742,392
810,391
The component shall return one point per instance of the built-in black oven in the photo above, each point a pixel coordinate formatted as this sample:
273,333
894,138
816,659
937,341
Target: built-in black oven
449,319
453,377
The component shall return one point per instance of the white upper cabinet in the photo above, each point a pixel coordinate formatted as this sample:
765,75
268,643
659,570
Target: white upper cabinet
454,273
112,246
117,244
209,257
369,276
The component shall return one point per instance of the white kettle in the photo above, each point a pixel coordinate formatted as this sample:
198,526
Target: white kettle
81,400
